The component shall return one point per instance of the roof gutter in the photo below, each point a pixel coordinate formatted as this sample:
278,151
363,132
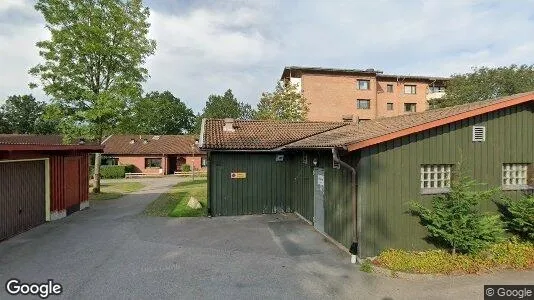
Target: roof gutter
355,234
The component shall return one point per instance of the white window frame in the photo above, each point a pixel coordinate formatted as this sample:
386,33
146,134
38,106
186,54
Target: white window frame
515,176
358,81
412,89
363,100
435,178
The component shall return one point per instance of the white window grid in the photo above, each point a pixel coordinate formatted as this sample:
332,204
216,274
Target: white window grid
435,176
514,174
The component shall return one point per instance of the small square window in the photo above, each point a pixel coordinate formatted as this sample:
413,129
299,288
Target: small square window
203,162
516,176
364,104
390,106
390,88
364,84
152,162
410,107
410,89
435,179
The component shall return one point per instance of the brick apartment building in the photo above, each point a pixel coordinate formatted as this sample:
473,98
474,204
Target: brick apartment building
338,94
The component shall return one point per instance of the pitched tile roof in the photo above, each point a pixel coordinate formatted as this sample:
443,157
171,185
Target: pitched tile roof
150,144
260,135
371,132
31,139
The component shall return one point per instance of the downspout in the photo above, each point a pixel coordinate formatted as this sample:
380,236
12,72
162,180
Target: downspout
354,246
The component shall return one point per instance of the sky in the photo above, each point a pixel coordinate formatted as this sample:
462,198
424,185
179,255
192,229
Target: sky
207,47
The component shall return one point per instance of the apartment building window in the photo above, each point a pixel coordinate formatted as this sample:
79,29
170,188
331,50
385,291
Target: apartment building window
364,84
390,88
152,162
516,176
410,89
390,106
435,179
410,107
363,104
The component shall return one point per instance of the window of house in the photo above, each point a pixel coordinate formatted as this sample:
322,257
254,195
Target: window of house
390,88
152,162
364,104
410,107
435,179
515,176
364,84
436,89
410,89
390,106
203,162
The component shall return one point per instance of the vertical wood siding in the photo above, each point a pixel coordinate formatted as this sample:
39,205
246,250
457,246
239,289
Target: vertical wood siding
389,173
22,196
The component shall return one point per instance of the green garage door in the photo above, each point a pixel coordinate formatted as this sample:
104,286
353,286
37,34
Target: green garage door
22,196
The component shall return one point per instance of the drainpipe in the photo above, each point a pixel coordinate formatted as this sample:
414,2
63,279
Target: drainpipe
354,246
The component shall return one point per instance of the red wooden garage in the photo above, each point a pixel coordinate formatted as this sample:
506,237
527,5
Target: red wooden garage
41,180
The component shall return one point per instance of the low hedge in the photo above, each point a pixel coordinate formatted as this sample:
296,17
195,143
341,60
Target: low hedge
512,254
112,172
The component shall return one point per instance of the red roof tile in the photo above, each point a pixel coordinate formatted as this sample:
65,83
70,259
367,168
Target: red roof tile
150,144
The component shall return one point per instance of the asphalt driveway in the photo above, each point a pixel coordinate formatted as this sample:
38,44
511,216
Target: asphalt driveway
112,251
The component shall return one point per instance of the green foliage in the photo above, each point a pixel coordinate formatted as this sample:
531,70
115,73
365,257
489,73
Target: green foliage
510,254
487,83
93,61
518,216
129,168
454,220
112,172
24,115
158,113
285,103
174,202
186,168
366,266
224,106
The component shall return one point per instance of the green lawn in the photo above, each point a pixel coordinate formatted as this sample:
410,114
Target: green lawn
115,190
174,202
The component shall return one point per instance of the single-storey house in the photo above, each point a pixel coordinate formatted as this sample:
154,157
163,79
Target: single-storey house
354,181
41,179
158,154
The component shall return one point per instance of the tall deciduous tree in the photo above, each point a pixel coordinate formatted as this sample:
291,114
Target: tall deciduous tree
25,115
285,103
93,63
224,106
159,113
487,83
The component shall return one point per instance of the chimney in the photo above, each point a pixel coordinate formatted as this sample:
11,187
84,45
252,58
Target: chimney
347,118
229,125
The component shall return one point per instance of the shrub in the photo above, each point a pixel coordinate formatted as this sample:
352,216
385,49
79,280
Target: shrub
511,254
129,168
186,168
455,221
518,216
366,266
109,172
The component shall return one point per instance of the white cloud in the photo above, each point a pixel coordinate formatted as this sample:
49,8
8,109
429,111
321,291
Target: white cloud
208,47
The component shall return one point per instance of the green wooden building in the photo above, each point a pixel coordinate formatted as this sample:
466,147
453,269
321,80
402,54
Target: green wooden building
353,182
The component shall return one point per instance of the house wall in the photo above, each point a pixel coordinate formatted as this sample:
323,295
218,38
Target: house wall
139,162
389,173
272,186
330,96
64,198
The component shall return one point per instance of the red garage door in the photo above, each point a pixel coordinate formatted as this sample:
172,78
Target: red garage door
22,196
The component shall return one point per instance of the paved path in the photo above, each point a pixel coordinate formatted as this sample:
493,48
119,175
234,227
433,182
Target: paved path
111,251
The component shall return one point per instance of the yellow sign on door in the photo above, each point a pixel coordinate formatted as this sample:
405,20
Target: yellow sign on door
238,175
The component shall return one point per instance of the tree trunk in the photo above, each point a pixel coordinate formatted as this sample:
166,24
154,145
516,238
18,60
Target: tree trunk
96,175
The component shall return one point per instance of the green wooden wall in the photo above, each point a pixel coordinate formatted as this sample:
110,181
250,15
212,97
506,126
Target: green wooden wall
389,173
273,186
